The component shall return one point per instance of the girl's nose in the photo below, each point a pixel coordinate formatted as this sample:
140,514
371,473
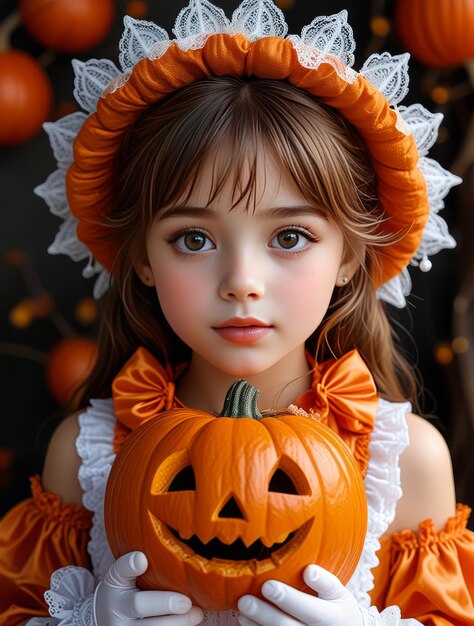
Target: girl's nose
242,280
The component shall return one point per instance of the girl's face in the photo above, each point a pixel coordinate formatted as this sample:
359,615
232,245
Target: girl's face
244,289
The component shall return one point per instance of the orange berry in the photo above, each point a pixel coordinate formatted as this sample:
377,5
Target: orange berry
443,353
136,8
22,314
86,311
440,94
380,26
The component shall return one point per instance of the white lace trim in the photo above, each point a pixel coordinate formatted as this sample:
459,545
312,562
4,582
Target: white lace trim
70,597
327,39
382,485
257,19
389,74
95,447
424,126
390,616
91,78
138,40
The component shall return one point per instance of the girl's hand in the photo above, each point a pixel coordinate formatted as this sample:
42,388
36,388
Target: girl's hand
118,602
334,605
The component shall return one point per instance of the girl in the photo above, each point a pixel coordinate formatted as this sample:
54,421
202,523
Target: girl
253,199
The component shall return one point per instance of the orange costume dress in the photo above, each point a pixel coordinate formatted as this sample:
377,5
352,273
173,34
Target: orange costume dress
429,575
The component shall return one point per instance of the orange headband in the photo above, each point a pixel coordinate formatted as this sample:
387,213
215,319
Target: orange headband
167,66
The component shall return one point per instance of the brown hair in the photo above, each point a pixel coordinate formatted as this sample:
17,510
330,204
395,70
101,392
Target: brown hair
160,161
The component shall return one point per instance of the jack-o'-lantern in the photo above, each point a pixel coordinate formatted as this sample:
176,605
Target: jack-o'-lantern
221,504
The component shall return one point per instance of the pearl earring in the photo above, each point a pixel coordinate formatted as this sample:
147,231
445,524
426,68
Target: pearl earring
345,280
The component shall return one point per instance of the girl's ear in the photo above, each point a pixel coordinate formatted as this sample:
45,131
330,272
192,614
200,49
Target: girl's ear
144,273
348,268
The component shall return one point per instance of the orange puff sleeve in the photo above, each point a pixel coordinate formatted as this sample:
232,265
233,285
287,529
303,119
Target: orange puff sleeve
37,537
429,574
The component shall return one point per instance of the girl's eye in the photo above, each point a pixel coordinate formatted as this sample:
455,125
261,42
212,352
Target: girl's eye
291,239
193,241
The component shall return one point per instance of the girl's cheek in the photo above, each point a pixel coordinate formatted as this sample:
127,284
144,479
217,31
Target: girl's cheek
307,283
178,296
305,297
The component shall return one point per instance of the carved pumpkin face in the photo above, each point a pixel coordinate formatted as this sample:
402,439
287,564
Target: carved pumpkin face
219,504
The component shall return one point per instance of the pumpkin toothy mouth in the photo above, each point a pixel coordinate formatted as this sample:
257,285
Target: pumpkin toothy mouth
235,551
233,559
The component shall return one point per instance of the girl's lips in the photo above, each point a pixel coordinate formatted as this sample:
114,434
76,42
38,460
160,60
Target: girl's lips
243,334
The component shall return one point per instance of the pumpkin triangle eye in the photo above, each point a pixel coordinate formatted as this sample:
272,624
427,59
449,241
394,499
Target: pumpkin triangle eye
280,482
184,480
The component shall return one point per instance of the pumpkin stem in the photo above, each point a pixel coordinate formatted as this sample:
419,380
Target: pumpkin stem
241,401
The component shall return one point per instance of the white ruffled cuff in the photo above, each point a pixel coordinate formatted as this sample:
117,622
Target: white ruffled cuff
390,616
70,598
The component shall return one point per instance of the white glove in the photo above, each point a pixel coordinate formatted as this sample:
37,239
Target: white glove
116,600
334,605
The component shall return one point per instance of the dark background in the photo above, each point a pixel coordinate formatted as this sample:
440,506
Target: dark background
436,329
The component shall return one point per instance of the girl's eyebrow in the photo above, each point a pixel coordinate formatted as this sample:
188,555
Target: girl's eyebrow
274,212
291,211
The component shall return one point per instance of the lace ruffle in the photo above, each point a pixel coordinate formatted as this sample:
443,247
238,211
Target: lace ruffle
390,616
94,446
70,597
382,484
51,506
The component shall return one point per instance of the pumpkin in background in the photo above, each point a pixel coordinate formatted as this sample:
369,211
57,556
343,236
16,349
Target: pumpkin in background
67,365
70,26
439,33
221,504
25,97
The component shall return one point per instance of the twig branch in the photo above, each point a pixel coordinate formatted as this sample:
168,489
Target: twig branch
6,28
22,351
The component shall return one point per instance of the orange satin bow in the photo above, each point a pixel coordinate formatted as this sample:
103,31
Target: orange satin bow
343,387
142,389
343,395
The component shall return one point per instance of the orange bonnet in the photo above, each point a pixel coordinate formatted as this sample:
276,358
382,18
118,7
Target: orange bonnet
254,43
